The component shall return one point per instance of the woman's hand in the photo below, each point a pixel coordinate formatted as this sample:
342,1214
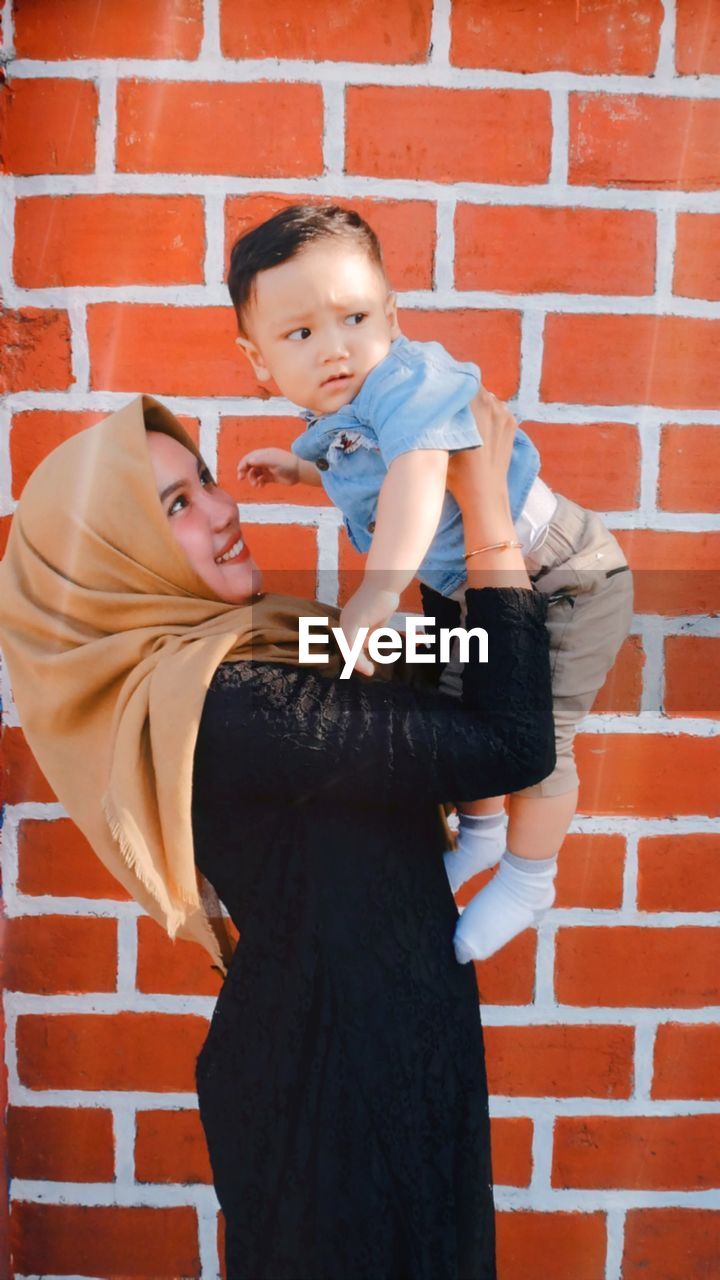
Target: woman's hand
479,475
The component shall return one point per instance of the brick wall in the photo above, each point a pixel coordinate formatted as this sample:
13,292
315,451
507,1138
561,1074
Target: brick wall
546,180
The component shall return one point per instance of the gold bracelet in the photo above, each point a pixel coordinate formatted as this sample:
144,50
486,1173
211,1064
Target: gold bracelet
494,546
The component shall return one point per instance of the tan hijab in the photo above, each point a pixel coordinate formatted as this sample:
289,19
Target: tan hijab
111,641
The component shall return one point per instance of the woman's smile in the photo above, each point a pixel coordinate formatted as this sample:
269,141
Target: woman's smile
236,551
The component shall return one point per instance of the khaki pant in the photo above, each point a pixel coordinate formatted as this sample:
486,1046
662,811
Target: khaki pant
581,568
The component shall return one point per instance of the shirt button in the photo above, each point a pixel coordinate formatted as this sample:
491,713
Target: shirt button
322,464
371,527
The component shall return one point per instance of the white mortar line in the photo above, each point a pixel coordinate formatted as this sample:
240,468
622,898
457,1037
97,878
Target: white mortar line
80,354
327,585
210,48
630,875
615,1226
208,70
214,264
558,195
334,129
665,66
440,35
106,132
208,436
444,271
124,1130
127,942
644,1050
560,145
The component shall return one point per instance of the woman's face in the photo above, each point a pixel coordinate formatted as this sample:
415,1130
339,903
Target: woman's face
204,520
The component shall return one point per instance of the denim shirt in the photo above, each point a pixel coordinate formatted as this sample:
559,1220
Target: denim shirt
418,397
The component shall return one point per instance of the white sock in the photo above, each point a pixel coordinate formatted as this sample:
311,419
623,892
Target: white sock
517,897
480,845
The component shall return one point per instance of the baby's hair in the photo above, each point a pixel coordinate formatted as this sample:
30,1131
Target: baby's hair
285,235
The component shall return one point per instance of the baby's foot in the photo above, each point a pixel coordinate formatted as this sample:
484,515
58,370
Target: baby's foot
517,897
480,845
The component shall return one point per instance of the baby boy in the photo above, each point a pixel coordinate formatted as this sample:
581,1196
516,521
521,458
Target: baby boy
317,318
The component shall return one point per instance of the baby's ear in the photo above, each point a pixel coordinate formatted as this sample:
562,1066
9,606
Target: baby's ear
262,373
391,313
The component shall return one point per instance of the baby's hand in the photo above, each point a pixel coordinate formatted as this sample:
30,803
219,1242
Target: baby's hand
371,607
269,466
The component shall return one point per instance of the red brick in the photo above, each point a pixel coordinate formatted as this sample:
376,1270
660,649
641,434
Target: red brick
177,967
560,1061
679,873
674,1244
511,1138
576,1243
99,29
5,522
692,676
590,871
20,775
648,775
671,361
633,966
697,38
406,229
697,256
449,135
109,240
237,436
110,1241
508,977
58,954
686,1061
287,555
517,249
622,691
615,37
170,1147
627,140
48,126
658,1153
152,1051
64,1144
36,350
322,30
594,464
490,338
34,433
167,350
673,573
689,468
55,858
224,128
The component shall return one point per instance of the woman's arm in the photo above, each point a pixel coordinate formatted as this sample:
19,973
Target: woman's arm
294,733
288,735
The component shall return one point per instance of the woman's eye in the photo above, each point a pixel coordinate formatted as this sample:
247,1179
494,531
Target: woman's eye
356,318
299,335
177,504
206,478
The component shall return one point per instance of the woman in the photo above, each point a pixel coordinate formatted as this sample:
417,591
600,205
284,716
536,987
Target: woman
342,1085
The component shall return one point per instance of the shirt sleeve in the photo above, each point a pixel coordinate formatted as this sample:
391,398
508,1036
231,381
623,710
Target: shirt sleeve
421,404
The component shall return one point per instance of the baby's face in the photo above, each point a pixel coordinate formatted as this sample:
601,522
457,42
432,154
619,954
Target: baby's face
319,323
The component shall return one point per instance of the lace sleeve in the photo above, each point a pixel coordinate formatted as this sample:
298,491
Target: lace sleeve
278,731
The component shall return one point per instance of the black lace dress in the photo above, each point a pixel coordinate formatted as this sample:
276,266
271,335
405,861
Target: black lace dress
342,1083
